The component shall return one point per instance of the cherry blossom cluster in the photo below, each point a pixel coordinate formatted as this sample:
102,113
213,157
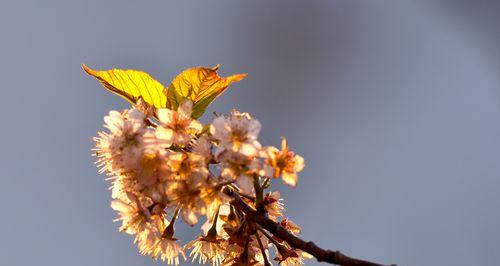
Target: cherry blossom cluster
163,164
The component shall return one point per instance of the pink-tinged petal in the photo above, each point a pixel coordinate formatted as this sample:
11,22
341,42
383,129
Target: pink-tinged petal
284,144
257,144
175,158
255,166
185,109
299,163
267,171
270,152
195,126
245,183
114,121
181,139
135,114
289,178
203,146
165,115
149,139
254,128
248,149
164,136
218,128
206,226
120,206
275,195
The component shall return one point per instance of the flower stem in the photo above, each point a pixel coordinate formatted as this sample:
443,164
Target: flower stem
259,194
212,232
169,231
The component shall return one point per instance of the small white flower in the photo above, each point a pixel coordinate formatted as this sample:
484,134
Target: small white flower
236,133
133,213
128,136
284,163
168,250
177,127
207,249
151,241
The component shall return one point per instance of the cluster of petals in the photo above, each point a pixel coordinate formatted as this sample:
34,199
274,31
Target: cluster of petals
163,163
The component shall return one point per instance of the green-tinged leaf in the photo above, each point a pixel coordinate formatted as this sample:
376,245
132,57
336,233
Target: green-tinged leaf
200,85
131,85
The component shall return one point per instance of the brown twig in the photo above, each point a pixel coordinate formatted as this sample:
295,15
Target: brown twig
322,255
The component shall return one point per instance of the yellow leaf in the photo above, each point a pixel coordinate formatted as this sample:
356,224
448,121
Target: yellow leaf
131,84
200,85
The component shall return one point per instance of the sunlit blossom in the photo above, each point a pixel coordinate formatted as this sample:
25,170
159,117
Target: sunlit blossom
284,163
186,193
236,133
168,250
273,205
133,213
207,250
177,127
183,166
151,241
128,136
240,171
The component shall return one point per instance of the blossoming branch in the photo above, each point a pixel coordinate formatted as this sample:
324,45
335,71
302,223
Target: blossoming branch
163,163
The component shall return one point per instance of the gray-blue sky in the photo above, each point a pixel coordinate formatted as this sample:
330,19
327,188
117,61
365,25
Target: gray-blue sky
394,105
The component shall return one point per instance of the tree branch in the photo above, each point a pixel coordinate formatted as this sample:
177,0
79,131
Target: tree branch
333,257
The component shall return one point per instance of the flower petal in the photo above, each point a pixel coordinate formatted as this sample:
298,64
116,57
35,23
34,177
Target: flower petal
164,136
289,178
299,163
165,115
185,109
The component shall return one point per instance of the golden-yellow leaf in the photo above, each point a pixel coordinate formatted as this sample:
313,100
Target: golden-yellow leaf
200,85
131,84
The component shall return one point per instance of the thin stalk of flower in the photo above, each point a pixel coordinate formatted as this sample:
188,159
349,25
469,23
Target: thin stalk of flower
169,230
212,232
259,194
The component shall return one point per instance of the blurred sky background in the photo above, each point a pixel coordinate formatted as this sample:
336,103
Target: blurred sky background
394,104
